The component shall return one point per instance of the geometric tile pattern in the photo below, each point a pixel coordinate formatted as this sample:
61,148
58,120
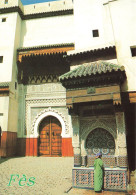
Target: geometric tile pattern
108,160
83,178
77,160
122,161
113,179
90,160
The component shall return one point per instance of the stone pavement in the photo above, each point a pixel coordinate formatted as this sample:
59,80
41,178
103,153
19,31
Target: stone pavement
91,192
53,176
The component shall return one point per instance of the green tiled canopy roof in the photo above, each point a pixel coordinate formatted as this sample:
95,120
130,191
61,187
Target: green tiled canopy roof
92,68
4,84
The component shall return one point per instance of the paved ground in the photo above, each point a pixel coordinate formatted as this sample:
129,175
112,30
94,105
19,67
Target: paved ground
53,176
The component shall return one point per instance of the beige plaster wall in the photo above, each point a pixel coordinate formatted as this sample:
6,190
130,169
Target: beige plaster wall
13,98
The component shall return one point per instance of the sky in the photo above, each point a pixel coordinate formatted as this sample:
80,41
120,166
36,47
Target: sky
27,2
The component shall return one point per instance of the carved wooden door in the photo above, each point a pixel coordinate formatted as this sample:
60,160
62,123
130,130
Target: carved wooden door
50,141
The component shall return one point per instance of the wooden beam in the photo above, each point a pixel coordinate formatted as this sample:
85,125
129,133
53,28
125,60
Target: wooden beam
132,97
45,51
97,94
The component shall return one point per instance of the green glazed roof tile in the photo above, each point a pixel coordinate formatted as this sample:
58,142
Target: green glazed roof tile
92,68
4,84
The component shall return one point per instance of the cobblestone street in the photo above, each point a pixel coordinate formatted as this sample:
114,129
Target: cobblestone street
53,176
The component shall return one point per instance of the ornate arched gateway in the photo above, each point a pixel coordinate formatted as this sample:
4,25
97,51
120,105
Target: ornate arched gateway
50,129
50,140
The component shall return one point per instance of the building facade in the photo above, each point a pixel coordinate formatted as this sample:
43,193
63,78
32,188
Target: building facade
68,84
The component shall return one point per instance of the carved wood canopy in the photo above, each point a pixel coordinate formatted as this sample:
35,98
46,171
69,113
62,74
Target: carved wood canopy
103,53
42,64
94,81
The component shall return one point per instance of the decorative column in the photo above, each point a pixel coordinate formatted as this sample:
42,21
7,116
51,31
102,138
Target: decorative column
76,141
83,153
121,140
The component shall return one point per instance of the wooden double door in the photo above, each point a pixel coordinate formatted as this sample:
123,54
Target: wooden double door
50,141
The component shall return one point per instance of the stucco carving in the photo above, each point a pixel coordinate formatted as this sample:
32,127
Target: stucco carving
77,150
53,111
121,141
45,88
120,122
75,124
59,101
90,124
121,131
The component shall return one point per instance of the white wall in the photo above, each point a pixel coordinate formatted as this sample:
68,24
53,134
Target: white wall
9,4
7,37
47,31
13,99
115,21
123,15
48,6
9,42
88,16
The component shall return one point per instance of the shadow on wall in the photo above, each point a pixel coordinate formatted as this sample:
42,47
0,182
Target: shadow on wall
26,147
2,160
21,147
23,33
131,136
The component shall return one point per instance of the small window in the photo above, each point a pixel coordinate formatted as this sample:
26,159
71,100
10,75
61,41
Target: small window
133,51
6,1
95,33
15,85
3,19
1,59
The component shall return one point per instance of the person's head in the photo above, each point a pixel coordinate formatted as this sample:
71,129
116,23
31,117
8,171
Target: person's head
98,155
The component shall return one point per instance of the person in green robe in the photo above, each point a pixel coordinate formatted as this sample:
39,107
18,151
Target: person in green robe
98,173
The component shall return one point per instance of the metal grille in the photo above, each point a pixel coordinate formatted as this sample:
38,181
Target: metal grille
100,140
113,179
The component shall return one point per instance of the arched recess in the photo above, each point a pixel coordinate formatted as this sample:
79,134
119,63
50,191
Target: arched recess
97,124
45,113
88,129
100,140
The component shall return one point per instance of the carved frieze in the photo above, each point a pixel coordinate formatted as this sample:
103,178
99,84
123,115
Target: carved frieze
45,88
120,121
89,124
59,101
